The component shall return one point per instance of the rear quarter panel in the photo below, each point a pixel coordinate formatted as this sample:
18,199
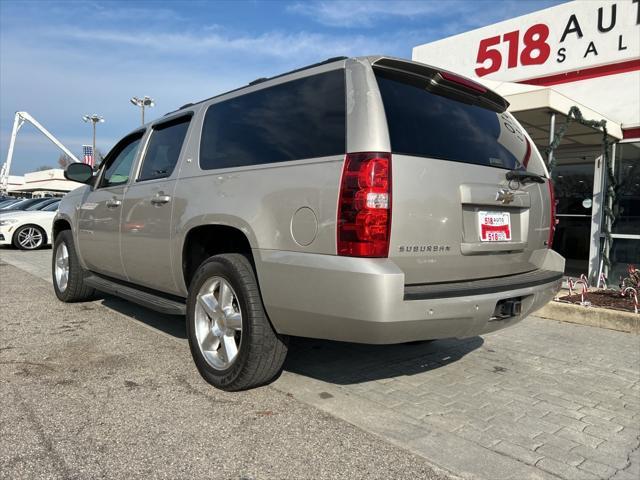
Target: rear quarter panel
262,200
258,200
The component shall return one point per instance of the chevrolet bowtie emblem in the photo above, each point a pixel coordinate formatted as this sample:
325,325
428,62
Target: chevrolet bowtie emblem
505,196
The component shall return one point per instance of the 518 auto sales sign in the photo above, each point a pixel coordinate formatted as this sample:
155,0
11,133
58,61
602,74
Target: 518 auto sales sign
570,37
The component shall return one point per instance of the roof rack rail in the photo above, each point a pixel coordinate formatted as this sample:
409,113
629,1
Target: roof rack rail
264,79
324,62
186,105
258,80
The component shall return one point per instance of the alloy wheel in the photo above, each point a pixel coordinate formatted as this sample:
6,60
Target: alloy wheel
218,323
61,269
30,238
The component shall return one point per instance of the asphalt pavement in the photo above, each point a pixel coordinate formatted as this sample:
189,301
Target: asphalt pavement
86,393
107,389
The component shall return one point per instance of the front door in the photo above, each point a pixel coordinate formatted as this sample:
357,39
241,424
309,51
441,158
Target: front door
99,214
148,207
573,180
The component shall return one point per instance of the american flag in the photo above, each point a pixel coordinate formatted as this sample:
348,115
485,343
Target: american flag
87,158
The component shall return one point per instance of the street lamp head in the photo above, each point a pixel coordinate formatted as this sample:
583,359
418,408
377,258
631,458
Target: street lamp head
95,118
135,101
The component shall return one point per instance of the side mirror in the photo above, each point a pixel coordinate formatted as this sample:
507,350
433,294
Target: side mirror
79,172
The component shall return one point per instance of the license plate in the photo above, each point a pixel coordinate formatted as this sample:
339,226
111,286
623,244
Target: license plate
494,226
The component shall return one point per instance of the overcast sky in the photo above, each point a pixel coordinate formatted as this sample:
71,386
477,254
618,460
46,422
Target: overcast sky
60,60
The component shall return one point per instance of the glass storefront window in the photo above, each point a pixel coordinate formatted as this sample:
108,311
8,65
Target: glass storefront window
627,172
624,252
573,185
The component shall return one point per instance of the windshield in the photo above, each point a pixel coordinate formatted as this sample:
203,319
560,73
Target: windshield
425,124
40,205
19,205
52,207
6,203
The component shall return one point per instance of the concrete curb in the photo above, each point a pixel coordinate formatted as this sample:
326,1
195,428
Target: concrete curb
591,316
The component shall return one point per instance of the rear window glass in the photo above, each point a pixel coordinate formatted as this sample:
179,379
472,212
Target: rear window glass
299,119
425,124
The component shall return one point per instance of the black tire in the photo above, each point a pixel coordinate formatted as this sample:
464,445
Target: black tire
262,350
16,238
76,290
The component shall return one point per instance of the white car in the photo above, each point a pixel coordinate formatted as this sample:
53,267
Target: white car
27,230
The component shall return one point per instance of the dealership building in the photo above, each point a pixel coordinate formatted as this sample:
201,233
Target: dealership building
583,54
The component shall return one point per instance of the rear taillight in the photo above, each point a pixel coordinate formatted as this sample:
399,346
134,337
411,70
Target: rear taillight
364,206
552,227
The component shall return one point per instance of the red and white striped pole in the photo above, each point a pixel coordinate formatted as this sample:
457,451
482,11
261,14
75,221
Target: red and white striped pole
583,292
584,278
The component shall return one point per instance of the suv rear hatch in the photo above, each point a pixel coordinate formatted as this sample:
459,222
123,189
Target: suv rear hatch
456,215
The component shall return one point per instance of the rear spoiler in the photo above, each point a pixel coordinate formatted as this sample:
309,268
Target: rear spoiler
441,82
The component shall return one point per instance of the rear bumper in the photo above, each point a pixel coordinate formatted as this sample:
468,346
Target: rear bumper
366,301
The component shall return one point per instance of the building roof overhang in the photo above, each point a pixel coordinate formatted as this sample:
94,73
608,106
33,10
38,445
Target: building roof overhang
533,105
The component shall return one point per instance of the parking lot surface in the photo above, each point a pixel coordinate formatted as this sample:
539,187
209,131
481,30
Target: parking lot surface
86,393
540,400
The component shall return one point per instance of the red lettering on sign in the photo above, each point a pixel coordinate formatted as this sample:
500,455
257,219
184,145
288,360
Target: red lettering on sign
535,39
494,228
536,50
512,39
491,54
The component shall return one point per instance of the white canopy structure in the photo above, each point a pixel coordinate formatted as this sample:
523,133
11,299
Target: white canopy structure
18,121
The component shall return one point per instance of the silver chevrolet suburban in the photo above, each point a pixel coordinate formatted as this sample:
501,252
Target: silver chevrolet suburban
370,199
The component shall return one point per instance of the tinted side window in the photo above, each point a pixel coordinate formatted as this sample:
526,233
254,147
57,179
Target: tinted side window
119,162
300,119
163,149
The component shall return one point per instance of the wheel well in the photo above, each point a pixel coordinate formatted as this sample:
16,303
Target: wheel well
208,240
59,226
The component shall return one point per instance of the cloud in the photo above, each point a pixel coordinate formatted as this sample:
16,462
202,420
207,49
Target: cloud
369,13
284,45
350,13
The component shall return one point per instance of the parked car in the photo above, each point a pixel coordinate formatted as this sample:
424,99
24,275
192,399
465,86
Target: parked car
28,229
370,199
8,201
28,203
42,205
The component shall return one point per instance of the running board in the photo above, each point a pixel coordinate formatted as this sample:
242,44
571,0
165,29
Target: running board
153,301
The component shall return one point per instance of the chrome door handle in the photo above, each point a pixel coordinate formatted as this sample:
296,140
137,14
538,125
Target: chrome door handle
160,199
113,203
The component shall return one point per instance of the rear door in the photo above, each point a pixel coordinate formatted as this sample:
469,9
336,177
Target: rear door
148,206
455,215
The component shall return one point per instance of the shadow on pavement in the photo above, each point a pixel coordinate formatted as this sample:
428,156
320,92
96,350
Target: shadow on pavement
335,362
349,363
173,325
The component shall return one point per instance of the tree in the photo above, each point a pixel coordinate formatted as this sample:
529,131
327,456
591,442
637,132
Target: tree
64,160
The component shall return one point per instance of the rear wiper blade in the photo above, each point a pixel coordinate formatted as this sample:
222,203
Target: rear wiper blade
524,177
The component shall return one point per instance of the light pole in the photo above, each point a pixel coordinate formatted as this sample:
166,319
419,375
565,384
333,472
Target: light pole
142,103
95,118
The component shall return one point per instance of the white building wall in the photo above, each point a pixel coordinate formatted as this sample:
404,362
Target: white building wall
565,39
